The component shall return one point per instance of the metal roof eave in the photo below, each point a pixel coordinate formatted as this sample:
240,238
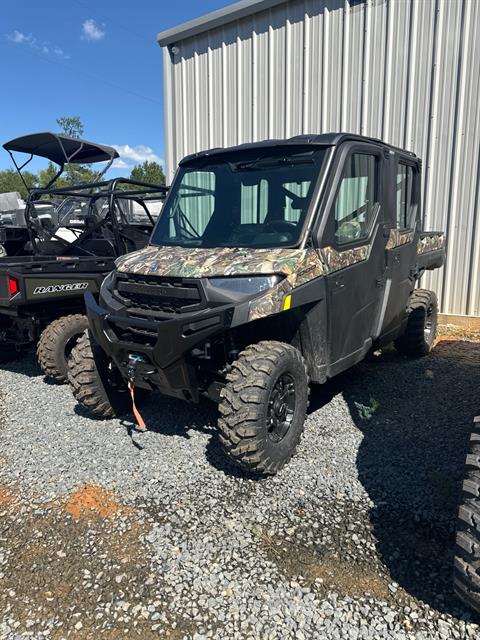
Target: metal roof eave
214,19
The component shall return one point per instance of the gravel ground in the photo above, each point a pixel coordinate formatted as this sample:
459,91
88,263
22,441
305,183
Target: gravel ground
107,532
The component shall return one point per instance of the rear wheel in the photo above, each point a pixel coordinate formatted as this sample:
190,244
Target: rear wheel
95,382
263,406
421,329
56,343
466,576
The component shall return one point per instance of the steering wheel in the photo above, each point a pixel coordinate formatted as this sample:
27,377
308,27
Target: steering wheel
281,226
350,230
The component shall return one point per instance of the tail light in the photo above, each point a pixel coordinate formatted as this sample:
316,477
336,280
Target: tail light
13,286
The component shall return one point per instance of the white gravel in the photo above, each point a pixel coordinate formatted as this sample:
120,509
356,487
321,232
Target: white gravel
352,540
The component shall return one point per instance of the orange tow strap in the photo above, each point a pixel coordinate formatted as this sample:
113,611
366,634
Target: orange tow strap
140,421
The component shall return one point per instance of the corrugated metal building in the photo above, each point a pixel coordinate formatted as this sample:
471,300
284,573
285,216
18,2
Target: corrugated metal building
406,71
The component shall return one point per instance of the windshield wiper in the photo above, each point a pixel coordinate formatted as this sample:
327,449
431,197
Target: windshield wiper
267,163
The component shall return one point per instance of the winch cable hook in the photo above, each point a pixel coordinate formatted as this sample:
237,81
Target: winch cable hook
131,387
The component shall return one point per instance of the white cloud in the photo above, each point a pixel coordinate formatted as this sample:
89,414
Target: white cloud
137,154
17,37
92,31
120,164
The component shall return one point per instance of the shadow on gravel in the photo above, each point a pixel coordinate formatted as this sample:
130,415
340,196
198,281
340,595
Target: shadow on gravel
25,364
416,416
171,417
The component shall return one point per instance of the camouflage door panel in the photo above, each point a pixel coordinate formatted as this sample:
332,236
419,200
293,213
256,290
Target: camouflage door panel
431,242
397,238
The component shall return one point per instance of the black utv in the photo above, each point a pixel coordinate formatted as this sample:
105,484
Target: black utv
71,238
272,265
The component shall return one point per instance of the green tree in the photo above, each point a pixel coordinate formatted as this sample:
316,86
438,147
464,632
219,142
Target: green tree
45,175
150,172
71,126
11,181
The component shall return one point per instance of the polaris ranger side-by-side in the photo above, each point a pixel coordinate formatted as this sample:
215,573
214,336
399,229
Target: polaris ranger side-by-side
272,265
69,251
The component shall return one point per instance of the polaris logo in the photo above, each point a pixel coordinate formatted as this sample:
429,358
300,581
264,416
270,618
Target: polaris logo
60,288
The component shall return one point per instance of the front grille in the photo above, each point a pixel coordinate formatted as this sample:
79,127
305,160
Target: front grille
147,295
135,335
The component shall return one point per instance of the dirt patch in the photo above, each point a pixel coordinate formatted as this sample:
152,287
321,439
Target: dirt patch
348,579
92,503
455,331
342,575
80,567
465,351
345,562
7,497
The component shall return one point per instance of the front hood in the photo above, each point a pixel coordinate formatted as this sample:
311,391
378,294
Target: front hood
182,262
299,266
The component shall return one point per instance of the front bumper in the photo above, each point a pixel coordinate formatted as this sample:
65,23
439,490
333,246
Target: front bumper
157,350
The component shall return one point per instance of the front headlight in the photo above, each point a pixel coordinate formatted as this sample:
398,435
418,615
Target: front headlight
248,285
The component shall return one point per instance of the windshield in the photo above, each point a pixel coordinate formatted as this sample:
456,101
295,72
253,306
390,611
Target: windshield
258,198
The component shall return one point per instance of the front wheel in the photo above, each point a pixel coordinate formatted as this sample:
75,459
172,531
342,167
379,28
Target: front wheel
421,329
95,383
263,406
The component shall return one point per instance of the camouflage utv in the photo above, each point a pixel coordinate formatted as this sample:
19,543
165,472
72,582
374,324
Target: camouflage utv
273,265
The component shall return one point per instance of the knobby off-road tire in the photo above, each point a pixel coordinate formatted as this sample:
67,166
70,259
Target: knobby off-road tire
263,406
56,343
421,327
92,383
466,576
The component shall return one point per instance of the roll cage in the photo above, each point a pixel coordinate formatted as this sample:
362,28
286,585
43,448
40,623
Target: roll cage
103,219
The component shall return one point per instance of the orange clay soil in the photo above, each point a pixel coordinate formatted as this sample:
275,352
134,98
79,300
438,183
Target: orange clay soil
91,502
6,495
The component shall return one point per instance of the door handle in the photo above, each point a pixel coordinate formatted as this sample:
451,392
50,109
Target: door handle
339,283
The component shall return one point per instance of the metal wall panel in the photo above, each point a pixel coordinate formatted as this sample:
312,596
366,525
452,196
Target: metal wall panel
407,71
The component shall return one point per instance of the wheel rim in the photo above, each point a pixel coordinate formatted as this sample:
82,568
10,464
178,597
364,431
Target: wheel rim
281,407
429,325
69,345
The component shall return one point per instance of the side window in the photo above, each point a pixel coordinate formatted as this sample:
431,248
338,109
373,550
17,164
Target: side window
405,196
355,204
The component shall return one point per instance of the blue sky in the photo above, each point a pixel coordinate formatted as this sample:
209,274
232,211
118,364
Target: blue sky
95,59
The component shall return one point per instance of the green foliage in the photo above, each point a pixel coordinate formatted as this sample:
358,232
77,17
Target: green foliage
150,172
77,173
74,173
71,126
366,411
11,181
45,175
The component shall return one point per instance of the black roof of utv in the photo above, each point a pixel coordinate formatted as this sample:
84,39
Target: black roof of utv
323,139
61,149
